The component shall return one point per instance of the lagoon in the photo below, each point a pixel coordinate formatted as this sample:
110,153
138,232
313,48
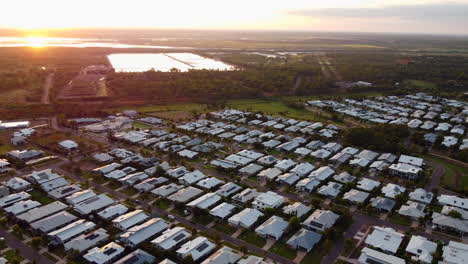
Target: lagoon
164,62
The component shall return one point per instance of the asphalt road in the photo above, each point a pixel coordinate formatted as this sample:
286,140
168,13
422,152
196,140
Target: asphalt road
25,250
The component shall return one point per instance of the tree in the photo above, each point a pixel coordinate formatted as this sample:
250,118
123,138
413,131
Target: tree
455,214
294,223
36,242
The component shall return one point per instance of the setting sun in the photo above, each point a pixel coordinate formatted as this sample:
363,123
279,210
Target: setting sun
35,42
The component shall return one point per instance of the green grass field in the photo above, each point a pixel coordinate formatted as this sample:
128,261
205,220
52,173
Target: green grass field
252,238
455,177
271,107
141,125
283,250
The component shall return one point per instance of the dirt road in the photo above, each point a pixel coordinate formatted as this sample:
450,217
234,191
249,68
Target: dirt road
47,85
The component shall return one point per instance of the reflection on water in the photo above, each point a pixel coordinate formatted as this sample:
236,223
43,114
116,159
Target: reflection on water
139,62
71,42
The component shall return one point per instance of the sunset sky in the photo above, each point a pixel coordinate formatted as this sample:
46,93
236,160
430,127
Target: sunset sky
420,16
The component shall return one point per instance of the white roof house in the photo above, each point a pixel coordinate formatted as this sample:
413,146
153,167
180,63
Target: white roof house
297,209
332,189
112,212
130,219
192,177
304,240
140,233
344,177
355,196
68,144
285,165
321,220
224,255
40,177
42,212
246,195
246,218
373,256
53,222
385,238
453,201
446,222
412,209
13,198
80,196
196,248
455,253
273,227
307,184
270,173
250,154
418,162
240,160
368,184
166,190
94,204
392,190
223,210
137,257
302,169
209,183
71,231
21,207
54,184
421,248
171,238
322,173
421,195
228,189
17,184
64,191
268,200
104,254
86,241
267,160
250,169
205,201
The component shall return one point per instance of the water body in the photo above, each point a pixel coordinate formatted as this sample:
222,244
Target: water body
140,62
39,42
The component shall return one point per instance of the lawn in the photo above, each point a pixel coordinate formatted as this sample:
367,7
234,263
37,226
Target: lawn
399,219
41,197
129,191
274,108
455,177
282,249
225,228
252,238
422,84
317,253
12,257
141,125
162,204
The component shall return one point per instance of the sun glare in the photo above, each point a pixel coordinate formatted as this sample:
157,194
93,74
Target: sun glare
36,42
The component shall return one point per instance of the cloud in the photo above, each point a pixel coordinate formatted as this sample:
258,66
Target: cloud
443,13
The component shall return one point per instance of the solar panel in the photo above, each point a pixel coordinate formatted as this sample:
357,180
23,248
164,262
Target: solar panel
110,251
91,200
92,237
202,247
179,237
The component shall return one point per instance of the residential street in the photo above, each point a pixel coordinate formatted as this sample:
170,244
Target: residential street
25,250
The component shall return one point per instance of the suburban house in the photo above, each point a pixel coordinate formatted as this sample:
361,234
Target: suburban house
171,238
385,238
124,222
421,249
246,218
268,200
304,240
140,233
373,256
274,228
223,210
87,241
196,248
321,220
105,254
296,209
